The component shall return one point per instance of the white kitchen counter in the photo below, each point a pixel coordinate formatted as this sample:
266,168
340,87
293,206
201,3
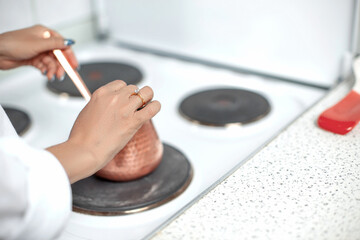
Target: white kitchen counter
305,184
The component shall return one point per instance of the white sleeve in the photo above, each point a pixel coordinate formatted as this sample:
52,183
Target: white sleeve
35,193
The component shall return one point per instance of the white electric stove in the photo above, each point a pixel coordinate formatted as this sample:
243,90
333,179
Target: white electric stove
215,41
212,151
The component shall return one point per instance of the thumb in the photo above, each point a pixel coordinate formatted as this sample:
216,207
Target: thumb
57,43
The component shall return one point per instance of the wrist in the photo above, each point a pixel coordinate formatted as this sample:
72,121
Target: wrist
2,44
78,161
2,51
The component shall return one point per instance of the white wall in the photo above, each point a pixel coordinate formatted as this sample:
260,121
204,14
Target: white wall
72,18
300,39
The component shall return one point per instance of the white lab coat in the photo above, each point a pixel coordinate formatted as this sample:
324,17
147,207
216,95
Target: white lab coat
35,193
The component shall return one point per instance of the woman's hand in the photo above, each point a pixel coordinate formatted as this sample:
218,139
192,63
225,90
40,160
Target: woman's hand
104,127
33,46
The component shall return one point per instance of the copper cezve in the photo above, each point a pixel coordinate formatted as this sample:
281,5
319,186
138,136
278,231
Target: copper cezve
139,157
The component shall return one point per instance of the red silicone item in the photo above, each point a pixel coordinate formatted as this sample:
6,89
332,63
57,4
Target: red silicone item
342,117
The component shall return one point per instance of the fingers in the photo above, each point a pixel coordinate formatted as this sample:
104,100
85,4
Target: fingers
140,99
130,89
60,73
70,56
149,111
53,40
51,67
48,65
143,99
130,101
37,62
49,38
56,41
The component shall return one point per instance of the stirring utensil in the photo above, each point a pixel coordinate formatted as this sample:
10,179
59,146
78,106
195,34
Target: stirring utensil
343,116
73,74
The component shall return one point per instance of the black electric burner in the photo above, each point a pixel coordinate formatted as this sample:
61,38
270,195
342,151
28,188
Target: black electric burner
222,107
19,119
97,196
96,75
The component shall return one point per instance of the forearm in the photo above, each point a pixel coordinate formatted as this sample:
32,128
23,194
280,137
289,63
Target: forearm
78,161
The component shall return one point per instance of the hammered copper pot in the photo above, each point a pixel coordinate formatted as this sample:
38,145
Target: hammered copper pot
139,157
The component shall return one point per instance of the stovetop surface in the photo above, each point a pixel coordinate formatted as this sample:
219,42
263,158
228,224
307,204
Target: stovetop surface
213,152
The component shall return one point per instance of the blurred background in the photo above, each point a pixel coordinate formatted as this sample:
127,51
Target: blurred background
72,19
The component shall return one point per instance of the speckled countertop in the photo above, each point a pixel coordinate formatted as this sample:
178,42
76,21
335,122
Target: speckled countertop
305,184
